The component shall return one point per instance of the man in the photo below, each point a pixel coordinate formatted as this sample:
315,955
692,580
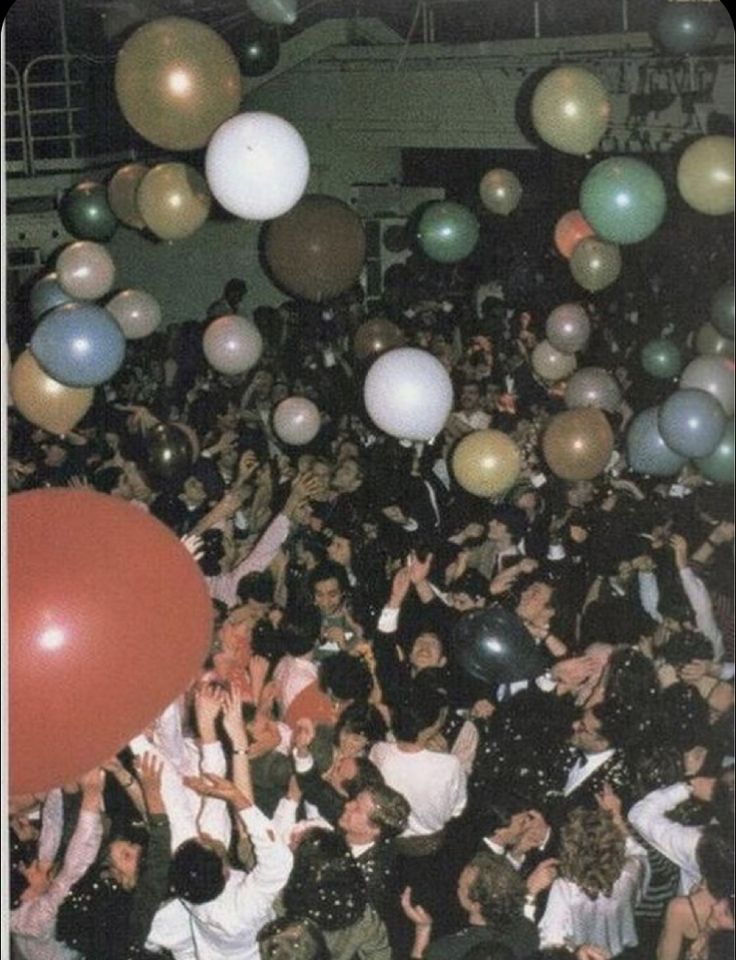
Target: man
471,415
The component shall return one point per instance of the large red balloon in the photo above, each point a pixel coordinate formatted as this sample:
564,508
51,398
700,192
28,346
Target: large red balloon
109,620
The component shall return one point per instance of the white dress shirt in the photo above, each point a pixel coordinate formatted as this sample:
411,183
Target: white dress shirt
677,842
584,768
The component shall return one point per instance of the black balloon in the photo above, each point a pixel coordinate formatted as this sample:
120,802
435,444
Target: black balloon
493,645
168,455
258,53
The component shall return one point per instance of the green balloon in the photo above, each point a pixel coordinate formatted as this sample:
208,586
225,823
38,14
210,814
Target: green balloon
662,359
719,466
722,310
258,53
623,199
595,264
686,27
448,232
85,212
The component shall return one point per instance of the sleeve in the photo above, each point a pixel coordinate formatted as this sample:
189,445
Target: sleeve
153,882
284,818
52,824
388,620
649,594
459,791
214,817
699,599
224,586
635,874
181,803
555,927
676,842
274,861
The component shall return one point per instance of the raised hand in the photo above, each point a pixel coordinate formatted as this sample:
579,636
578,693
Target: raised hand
542,876
417,914
207,707
419,569
210,785
193,544
149,769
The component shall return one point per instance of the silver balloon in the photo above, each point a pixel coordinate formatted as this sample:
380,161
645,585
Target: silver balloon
296,421
593,387
715,375
691,422
568,328
550,363
646,451
232,344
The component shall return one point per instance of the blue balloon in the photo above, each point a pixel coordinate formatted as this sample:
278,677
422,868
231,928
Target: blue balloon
79,344
692,422
646,450
46,294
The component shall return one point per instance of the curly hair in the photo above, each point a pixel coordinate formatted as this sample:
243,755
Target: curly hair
593,852
498,890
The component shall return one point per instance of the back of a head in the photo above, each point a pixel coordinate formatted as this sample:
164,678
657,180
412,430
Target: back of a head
196,873
715,856
498,890
292,939
326,884
592,853
256,586
390,810
411,718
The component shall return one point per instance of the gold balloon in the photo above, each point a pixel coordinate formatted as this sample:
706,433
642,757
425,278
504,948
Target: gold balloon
174,200
43,401
571,110
85,270
709,342
705,175
552,364
121,194
500,191
176,81
578,444
376,336
486,463
595,264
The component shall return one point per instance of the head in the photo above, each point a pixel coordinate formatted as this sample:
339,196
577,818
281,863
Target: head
114,481
376,813
255,591
587,733
470,397
419,719
290,939
348,476
359,727
193,492
491,892
507,525
427,651
329,584
345,680
122,862
537,601
198,871
715,857
592,853
469,591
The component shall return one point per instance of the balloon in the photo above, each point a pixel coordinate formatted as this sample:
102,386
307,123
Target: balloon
274,11
374,337
500,191
571,228
568,328
494,646
623,199
714,375
691,422
169,454
43,401
316,250
408,394
719,466
47,294
686,27
595,264
593,387
646,451
176,81
109,620
296,421
570,110
121,194
257,166
137,313
661,358
551,364
85,212
173,200
705,175
85,270
722,310
447,231
79,344
486,463
709,342
232,344
577,444
258,53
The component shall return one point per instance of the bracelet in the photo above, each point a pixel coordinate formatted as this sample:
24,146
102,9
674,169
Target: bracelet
240,753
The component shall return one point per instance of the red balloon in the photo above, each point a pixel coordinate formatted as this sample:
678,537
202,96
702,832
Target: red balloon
571,228
109,620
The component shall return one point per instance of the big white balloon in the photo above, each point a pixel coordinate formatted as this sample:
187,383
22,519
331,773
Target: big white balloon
257,166
296,421
408,394
232,344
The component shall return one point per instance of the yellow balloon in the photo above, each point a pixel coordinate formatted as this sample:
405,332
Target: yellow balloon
173,200
486,463
571,110
500,191
595,264
43,401
705,175
176,81
121,194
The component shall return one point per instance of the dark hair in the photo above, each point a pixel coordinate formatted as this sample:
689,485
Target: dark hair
345,677
106,479
329,570
471,582
212,553
411,718
513,518
367,775
306,942
196,873
363,719
498,890
721,942
685,716
300,638
256,586
685,647
722,802
715,857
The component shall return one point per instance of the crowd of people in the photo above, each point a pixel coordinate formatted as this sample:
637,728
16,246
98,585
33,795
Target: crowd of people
336,783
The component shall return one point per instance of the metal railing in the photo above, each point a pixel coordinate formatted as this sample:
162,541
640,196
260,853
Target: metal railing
16,142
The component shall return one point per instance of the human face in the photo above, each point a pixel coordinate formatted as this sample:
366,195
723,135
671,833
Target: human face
498,531
321,472
586,734
356,822
339,551
327,596
351,744
469,398
124,858
194,492
534,601
346,476
426,652
463,602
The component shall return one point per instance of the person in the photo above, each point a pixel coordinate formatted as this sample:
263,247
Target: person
285,939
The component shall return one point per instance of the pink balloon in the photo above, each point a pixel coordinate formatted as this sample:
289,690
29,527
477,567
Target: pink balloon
296,421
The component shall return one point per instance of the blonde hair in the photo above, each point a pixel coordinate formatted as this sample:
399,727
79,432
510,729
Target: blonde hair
593,852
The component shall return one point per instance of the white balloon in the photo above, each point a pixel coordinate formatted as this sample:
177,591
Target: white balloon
257,165
138,313
408,394
274,11
296,421
232,344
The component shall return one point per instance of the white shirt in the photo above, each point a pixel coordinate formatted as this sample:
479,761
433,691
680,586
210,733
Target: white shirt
433,783
607,922
585,768
677,842
291,676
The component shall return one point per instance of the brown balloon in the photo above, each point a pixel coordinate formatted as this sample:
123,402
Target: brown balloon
121,194
316,250
176,81
43,401
500,191
709,342
578,444
374,337
571,228
174,200
486,463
